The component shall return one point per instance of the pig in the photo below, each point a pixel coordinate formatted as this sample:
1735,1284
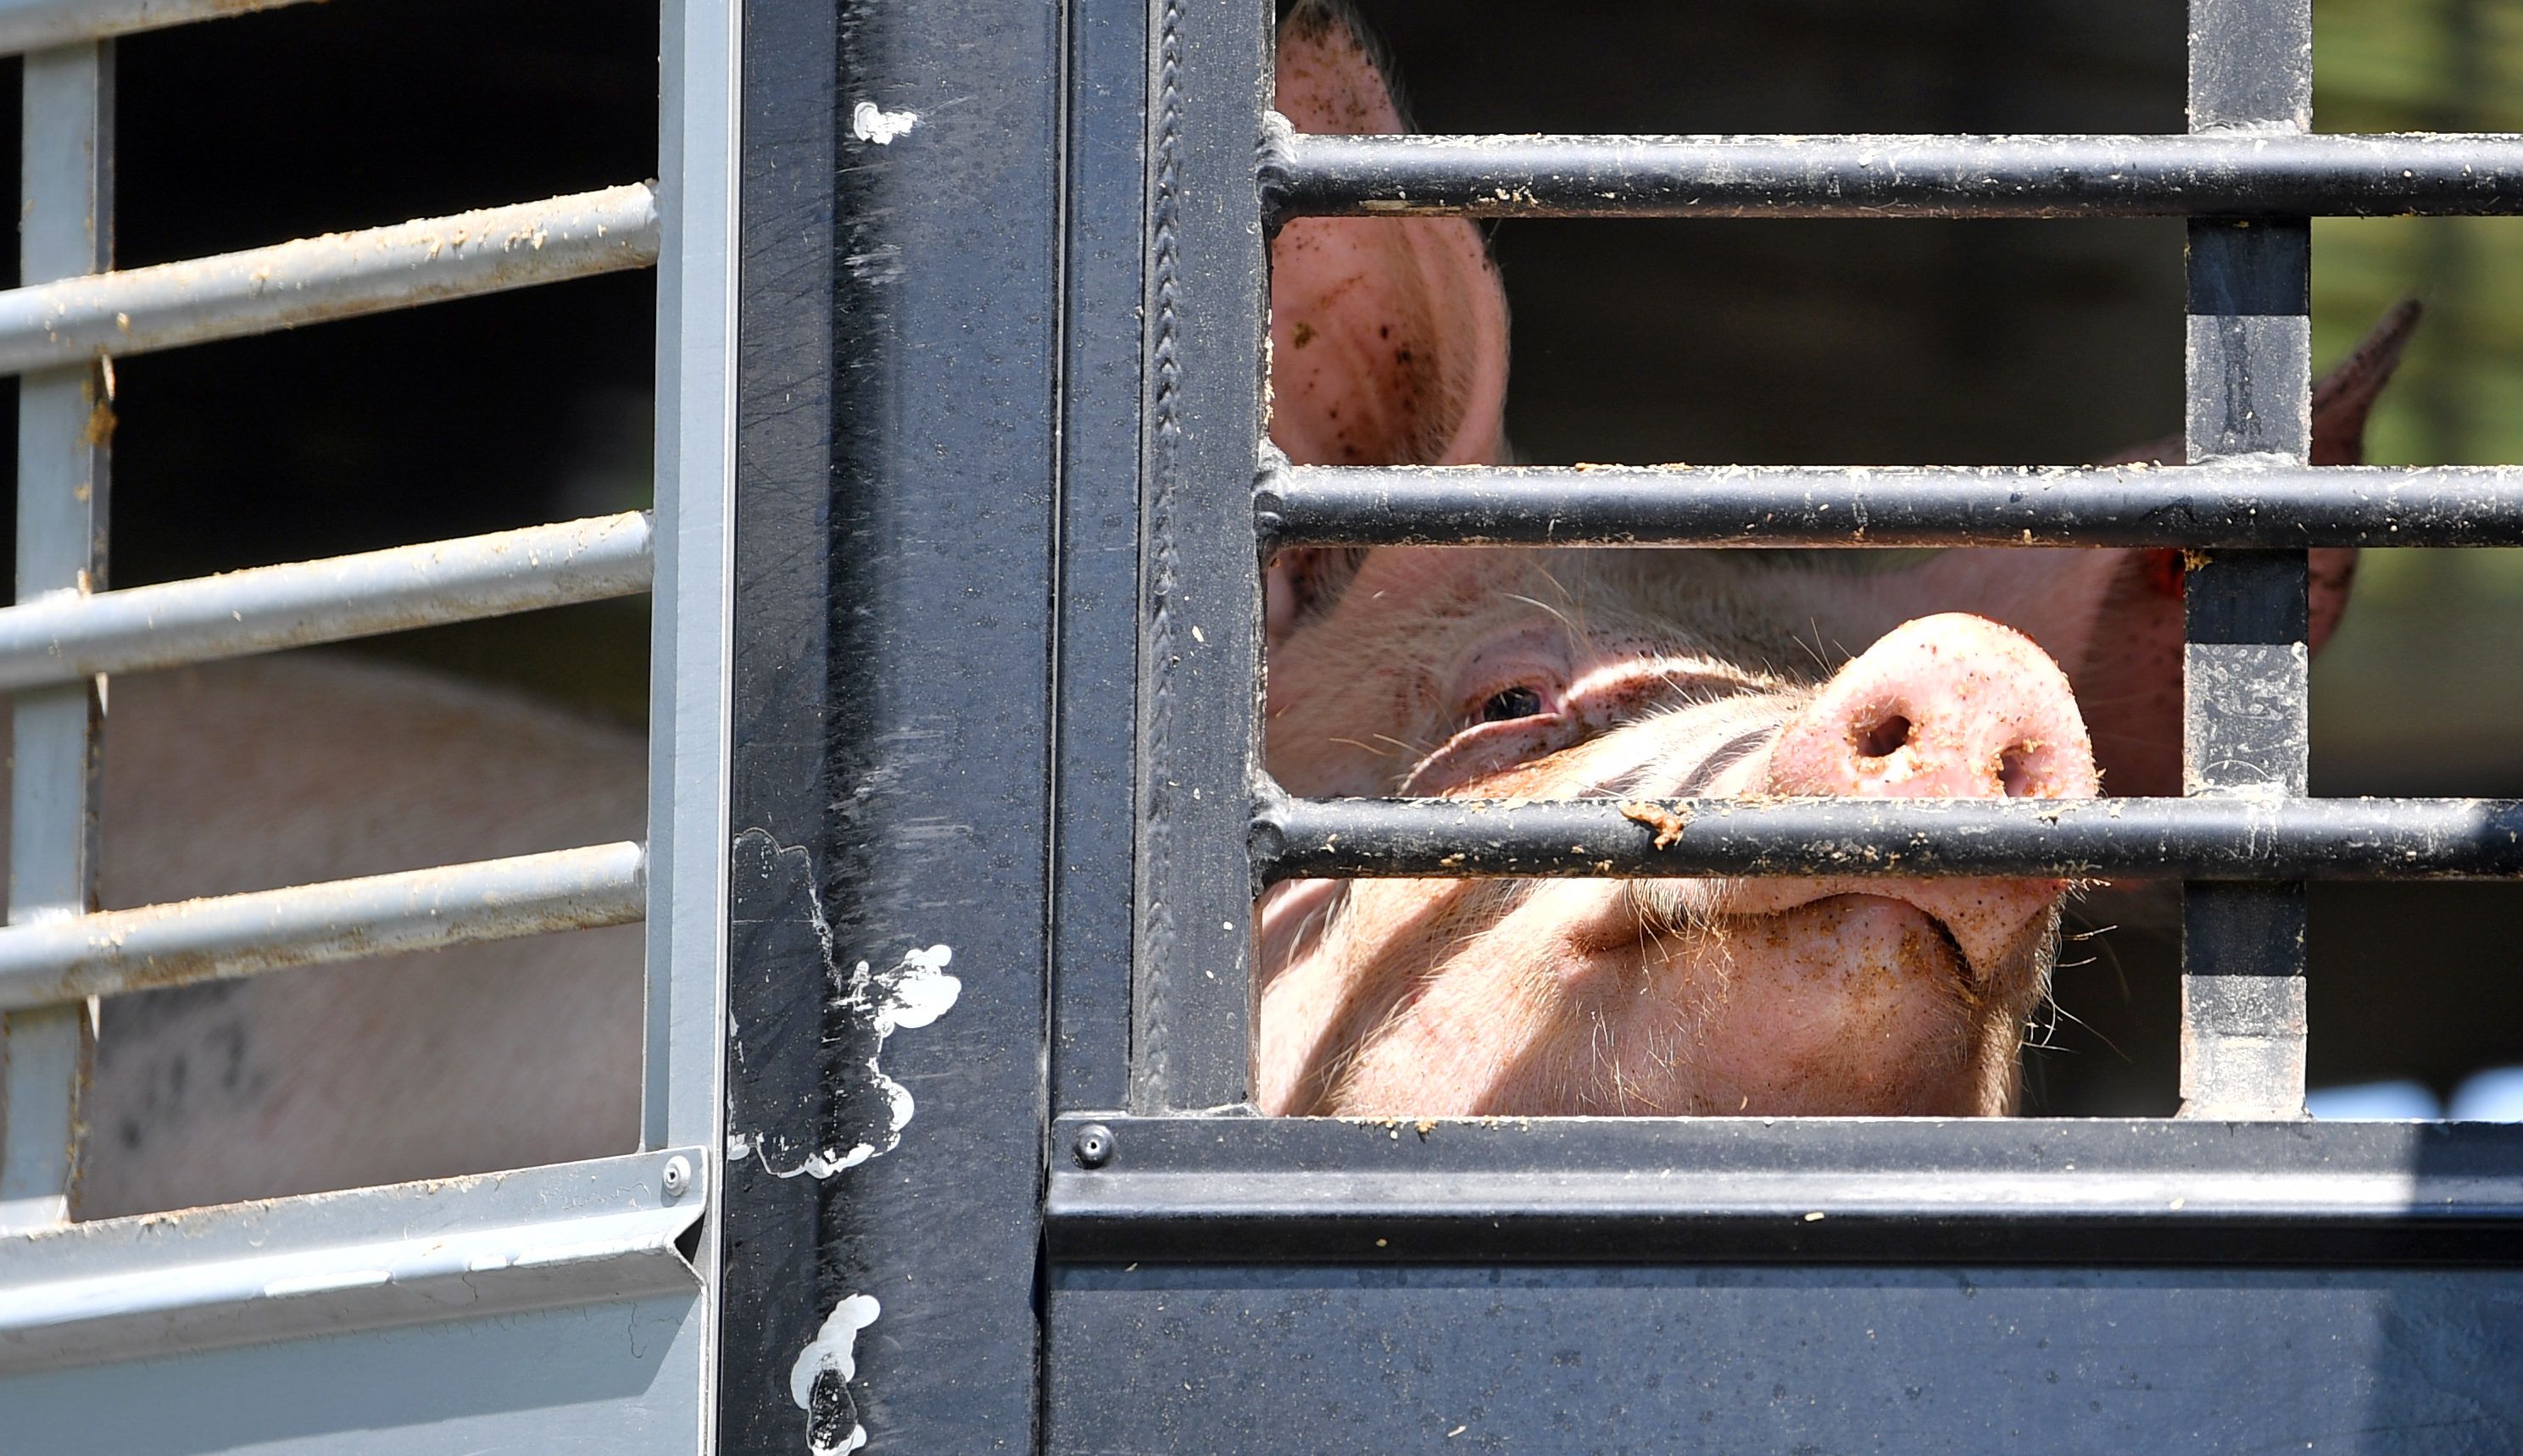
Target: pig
1632,674
310,765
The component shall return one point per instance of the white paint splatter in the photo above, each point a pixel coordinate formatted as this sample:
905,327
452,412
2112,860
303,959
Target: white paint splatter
870,122
835,1348
913,992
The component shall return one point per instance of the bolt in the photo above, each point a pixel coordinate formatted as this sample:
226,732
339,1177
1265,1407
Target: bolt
1094,1146
678,1176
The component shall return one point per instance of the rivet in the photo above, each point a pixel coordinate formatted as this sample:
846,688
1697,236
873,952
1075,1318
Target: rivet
1094,1145
678,1176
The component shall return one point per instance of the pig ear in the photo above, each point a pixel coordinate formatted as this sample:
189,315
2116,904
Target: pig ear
2341,401
2128,677
1387,336
2347,393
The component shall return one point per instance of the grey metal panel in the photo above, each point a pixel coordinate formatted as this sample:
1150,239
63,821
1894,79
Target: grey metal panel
630,1373
227,936
65,638
691,624
605,1380
30,24
1820,1359
204,1279
65,227
338,275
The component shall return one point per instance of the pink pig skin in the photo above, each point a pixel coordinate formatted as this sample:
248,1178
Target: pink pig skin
1646,673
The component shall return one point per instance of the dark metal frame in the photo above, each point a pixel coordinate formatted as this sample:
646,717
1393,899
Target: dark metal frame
2244,511
1001,506
894,539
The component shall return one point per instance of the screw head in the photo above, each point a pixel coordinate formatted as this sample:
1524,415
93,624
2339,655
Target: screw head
678,1176
1094,1145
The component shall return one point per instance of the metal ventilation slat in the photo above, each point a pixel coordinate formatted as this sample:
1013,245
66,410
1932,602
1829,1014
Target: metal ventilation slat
2232,504
2219,838
65,636
227,936
2231,173
338,275
33,25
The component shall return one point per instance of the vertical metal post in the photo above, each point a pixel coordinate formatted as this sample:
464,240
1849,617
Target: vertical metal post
897,367
1208,306
65,418
690,603
1104,283
683,1101
2245,684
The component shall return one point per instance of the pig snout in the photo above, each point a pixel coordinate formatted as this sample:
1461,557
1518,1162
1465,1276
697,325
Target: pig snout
1951,707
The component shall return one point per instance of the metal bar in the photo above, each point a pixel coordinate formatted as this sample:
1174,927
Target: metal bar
692,647
808,707
338,275
67,637
691,626
1208,304
2236,504
2246,683
33,25
1643,1190
2214,837
1093,921
226,936
64,417
2238,174
490,1243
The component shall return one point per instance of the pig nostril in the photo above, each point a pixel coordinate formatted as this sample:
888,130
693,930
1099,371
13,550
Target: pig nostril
2015,771
1884,737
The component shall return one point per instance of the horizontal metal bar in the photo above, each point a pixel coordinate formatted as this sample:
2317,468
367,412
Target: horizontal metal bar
48,962
2236,504
339,275
1322,1190
449,1248
64,636
33,25
2233,838
2237,174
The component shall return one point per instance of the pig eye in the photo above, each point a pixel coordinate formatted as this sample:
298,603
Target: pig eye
1512,704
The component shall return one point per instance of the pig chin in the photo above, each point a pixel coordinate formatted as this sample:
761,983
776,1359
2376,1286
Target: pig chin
1859,1000
1579,997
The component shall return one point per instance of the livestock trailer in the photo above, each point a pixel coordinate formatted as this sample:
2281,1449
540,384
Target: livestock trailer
961,495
